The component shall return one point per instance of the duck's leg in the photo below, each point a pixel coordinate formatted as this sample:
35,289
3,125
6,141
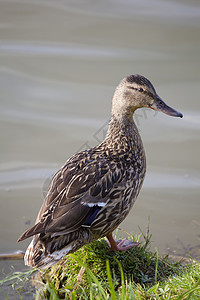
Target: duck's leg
120,245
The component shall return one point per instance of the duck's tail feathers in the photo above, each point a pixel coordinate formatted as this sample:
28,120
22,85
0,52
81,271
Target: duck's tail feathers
44,252
39,259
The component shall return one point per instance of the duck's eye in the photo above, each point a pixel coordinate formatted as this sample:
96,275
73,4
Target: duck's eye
140,90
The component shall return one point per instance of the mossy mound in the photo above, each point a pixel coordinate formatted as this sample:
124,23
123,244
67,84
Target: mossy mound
93,263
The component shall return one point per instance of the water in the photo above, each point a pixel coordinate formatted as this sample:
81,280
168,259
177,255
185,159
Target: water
60,63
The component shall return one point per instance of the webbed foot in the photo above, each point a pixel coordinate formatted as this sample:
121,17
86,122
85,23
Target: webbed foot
120,245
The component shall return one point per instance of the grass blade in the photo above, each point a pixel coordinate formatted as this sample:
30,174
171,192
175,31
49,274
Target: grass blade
156,267
110,281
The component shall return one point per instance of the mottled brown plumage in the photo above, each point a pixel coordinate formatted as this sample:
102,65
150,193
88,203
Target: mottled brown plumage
96,188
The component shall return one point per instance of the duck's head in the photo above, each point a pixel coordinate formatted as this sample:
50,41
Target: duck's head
136,91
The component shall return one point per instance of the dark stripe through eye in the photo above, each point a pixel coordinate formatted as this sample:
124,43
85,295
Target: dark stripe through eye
141,90
137,89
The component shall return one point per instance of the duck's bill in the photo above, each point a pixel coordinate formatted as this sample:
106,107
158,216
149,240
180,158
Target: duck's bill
160,105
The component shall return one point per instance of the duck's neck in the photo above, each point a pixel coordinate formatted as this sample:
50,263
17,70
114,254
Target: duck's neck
123,135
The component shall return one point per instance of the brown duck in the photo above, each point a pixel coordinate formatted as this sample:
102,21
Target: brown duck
95,189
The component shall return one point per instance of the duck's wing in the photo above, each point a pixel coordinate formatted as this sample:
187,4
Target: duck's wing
76,194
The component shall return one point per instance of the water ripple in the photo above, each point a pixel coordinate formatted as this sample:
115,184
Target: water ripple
70,50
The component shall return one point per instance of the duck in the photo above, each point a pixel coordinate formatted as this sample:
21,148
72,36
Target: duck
93,192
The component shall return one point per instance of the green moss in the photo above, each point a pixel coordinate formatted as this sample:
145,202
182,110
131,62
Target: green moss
138,266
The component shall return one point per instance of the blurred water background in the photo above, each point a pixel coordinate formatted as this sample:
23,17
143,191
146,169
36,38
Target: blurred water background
60,62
